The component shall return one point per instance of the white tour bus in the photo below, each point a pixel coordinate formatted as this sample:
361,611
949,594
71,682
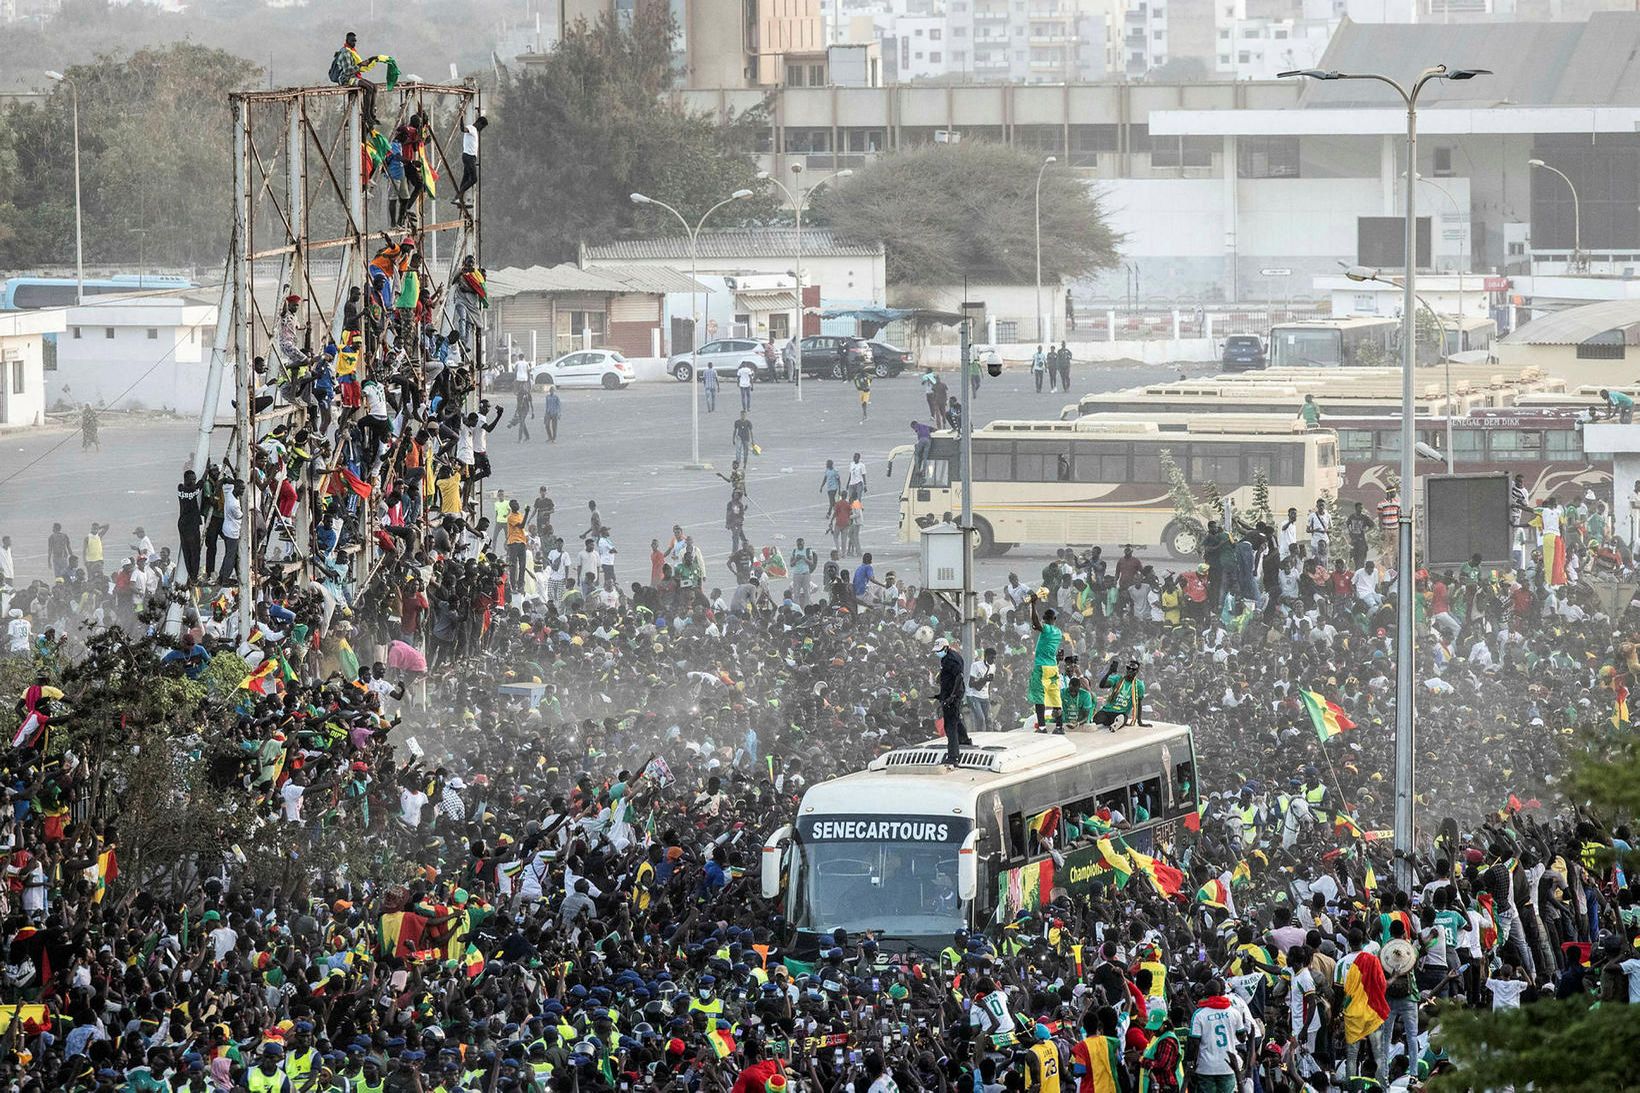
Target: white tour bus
911,850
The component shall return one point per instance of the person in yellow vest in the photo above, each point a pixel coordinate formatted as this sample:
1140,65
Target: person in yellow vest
301,1057
1161,1067
1246,818
1042,1062
1096,1059
267,1076
705,1000
1315,792
369,1079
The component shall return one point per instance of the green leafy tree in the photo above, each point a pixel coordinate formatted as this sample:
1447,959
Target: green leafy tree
594,124
945,212
1261,498
1186,510
1574,1045
154,154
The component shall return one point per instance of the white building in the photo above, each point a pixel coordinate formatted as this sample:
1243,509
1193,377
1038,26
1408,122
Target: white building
25,338
749,273
142,354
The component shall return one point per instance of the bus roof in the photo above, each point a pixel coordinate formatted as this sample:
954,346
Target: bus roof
917,781
1225,426
1348,322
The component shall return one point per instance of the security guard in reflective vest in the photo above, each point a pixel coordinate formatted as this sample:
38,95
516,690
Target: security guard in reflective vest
1247,818
704,1000
267,1076
301,1057
369,1079
1316,794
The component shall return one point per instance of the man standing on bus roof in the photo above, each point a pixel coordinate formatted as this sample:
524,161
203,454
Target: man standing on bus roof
1126,698
1619,404
1043,690
953,686
1310,412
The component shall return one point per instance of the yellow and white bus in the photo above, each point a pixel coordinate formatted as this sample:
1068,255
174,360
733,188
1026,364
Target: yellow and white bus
1100,479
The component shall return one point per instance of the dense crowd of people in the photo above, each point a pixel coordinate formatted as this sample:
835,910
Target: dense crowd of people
596,760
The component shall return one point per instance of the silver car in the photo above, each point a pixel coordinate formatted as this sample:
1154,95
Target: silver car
725,355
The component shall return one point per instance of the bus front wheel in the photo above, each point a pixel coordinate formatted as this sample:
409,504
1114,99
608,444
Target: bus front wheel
1181,541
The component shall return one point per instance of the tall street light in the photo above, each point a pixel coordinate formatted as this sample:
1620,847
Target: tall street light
1040,171
799,201
1577,212
694,463
1404,696
79,233
1365,273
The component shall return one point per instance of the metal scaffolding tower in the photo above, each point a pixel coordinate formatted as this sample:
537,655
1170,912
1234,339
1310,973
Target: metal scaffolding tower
307,199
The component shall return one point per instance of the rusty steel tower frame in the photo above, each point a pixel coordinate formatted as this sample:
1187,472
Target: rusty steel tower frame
309,210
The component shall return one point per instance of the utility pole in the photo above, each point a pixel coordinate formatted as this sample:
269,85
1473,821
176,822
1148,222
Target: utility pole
967,444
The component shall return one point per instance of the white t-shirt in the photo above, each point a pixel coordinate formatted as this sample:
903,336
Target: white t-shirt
410,802
589,563
469,139
744,375
1506,993
223,940
856,473
1216,1031
291,801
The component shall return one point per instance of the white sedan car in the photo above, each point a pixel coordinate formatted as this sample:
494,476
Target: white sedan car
604,368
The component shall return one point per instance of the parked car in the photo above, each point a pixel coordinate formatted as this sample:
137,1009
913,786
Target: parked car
1243,352
834,356
889,360
585,368
725,355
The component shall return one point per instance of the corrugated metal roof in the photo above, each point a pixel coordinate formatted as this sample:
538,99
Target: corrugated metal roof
767,299
1576,324
733,243
1590,63
569,277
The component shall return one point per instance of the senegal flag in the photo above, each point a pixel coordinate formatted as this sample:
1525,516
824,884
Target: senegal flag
473,962
1214,894
722,1041
1114,860
261,681
399,932
1162,876
1328,718
1620,710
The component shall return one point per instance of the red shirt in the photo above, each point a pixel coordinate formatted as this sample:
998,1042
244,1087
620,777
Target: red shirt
754,1077
841,513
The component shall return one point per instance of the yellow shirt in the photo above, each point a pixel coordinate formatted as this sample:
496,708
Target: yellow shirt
93,548
1047,1058
449,493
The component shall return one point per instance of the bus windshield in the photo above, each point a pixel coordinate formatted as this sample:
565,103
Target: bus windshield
896,887
1306,347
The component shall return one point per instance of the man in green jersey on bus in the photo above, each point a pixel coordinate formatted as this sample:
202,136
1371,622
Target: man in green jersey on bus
1126,699
1043,691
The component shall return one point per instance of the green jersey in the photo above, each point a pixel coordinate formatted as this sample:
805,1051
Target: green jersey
1121,697
1079,706
1047,645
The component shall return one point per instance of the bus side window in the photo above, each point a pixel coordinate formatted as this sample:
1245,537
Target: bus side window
1016,835
1116,800
1184,786
1147,798
1064,467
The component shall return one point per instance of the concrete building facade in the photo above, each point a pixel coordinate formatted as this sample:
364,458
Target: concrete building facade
1216,183
150,353
27,344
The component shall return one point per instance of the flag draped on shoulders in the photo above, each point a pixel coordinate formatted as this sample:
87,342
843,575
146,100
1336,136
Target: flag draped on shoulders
1366,1003
399,932
1328,717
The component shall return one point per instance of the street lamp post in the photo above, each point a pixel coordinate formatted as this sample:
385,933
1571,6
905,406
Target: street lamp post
79,232
1404,697
1577,212
799,200
694,463
1040,171
1364,273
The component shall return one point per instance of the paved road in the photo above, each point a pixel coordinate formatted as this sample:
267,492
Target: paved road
626,449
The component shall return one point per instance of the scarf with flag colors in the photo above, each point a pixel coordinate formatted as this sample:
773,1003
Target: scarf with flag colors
1328,717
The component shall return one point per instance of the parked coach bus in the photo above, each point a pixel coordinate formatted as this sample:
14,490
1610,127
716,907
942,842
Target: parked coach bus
1100,480
1543,445
1334,343
911,850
